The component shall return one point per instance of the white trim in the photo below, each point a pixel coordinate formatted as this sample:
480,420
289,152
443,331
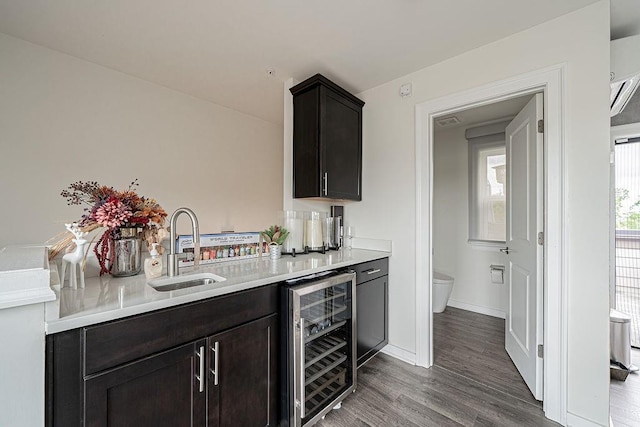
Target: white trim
551,81
25,297
477,308
574,420
399,353
625,131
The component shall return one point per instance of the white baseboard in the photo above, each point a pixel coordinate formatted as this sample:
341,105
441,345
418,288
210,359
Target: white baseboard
574,420
477,308
399,353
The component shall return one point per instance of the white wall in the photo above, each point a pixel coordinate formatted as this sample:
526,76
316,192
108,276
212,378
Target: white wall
453,255
581,41
63,119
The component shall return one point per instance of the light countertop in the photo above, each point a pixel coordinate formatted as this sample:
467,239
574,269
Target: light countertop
108,298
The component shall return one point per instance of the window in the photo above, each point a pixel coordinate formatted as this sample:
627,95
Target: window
487,178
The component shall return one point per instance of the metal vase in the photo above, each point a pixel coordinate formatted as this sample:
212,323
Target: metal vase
127,251
275,251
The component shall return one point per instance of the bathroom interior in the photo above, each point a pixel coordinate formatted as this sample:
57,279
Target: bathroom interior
469,292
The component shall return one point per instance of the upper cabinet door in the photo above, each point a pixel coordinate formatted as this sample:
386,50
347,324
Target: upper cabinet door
341,145
327,141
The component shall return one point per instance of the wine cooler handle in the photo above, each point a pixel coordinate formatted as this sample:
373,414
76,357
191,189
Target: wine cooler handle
301,372
200,376
214,371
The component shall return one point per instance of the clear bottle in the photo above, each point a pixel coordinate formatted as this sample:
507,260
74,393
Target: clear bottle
153,265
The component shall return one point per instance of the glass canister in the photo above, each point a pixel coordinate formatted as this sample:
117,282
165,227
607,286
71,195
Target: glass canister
293,221
127,250
313,230
328,232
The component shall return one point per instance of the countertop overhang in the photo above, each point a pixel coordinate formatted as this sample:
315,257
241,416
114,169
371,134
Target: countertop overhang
24,276
108,298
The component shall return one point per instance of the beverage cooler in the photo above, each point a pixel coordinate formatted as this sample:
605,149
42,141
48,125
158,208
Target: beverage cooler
319,340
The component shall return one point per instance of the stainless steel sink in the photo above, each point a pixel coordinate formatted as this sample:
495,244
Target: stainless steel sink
166,284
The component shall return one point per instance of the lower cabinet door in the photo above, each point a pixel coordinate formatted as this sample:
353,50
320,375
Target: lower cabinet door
372,317
165,389
242,367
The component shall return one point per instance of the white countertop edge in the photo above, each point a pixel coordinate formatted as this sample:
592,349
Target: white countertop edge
26,297
79,320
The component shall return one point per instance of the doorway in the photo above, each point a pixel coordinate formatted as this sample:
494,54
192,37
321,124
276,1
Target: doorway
625,258
626,235
470,178
549,81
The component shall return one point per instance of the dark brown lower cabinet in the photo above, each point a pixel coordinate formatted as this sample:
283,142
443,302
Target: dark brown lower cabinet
242,378
166,389
159,390
372,303
207,363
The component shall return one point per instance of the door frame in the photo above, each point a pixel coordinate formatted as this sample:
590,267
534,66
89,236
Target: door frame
550,81
617,132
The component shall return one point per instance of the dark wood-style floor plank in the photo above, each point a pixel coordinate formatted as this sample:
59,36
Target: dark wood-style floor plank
472,345
394,393
625,397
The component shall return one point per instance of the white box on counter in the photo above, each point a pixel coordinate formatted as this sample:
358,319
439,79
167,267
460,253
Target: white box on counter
220,247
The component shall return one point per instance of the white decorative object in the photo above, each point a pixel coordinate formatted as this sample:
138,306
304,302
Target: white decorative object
74,258
293,221
313,231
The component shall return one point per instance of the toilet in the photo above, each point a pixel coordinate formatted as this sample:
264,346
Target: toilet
442,286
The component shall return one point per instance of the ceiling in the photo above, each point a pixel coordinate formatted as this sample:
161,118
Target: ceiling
625,18
221,50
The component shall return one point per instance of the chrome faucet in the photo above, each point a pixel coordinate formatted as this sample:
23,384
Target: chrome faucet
172,258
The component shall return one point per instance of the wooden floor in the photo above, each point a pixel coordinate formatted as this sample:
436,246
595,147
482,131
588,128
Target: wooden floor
394,393
472,345
625,398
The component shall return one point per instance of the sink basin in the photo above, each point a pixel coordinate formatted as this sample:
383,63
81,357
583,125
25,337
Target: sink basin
166,284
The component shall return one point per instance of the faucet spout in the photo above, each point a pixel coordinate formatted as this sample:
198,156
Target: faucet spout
172,261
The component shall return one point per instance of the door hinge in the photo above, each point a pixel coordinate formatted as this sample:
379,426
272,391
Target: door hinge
541,126
541,238
541,351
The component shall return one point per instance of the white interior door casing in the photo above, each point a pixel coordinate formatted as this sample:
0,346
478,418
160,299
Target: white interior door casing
524,197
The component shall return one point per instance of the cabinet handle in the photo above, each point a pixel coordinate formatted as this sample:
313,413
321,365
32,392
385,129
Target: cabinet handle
505,250
372,271
200,377
326,183
214,371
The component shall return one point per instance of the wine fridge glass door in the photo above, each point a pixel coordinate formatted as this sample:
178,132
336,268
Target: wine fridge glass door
324,344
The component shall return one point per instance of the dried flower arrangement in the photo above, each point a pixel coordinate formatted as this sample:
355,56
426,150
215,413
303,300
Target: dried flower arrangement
275,235
111,209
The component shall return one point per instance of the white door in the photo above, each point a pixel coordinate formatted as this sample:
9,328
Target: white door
523,327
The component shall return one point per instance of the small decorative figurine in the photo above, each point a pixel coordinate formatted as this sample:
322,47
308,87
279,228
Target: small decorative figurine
74,258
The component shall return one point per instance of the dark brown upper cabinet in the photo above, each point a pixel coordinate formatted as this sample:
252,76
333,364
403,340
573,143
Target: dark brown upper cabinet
327,141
